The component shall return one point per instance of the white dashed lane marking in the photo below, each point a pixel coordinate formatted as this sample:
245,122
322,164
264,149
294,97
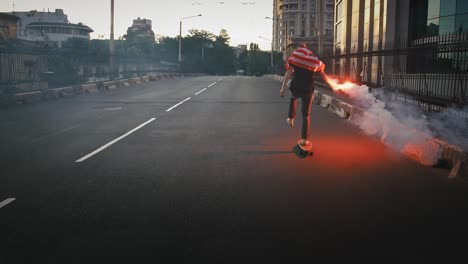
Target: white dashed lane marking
114,141
168,110
7,201
201,91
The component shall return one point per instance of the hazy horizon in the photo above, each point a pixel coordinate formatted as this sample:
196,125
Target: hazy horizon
243,22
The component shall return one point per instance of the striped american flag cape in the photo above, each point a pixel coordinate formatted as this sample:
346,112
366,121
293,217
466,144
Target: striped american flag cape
304,58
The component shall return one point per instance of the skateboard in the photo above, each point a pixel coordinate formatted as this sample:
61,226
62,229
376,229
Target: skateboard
305,150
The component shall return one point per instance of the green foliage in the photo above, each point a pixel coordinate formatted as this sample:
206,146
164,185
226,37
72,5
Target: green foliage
201,34
254,61
202,51
206,52
64,71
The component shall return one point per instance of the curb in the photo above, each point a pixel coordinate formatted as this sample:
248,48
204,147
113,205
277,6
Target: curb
455,156
111,85
27,98
90,88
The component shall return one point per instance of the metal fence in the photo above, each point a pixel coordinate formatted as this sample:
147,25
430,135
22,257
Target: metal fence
431,70
22,72
25,69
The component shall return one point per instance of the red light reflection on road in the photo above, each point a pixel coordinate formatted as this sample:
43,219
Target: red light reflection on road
350,152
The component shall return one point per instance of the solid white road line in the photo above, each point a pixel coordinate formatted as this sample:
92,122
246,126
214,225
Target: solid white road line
114,141
221,79
201,91
168,110
7,201
211,84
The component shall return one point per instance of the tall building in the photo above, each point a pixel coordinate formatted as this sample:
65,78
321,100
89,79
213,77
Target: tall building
141,28
296,21
49,28
405,44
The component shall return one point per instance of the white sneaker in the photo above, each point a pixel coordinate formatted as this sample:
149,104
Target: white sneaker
290,122
305,142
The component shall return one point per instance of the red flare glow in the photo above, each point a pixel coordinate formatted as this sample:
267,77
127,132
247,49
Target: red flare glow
337,86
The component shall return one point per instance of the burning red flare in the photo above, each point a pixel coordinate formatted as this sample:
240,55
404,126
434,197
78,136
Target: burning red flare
337,86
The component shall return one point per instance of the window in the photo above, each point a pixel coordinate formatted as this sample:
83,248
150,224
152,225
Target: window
338,32
339,11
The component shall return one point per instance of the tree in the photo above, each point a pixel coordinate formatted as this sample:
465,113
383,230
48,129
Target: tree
254,61
206,52
201,34
223,37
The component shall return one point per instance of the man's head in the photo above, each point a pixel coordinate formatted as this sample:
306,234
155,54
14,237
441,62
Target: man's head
303,45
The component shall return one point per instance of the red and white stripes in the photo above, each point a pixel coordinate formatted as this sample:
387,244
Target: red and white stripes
305,59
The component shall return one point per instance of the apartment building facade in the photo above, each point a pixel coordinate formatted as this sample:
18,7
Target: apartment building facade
303,21
49,28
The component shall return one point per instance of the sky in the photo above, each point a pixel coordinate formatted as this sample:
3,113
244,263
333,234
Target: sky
243,22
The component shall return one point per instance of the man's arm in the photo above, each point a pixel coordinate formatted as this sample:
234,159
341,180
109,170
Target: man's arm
287,77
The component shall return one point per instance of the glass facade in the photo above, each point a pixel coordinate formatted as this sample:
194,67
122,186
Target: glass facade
446,17
461,18
433,18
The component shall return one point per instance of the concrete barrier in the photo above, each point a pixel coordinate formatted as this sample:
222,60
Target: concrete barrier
78,89
124,83
110,85
136,80
55,93
340,108
456,157
325,101
50,94
29,97
65,91
90,88
317,97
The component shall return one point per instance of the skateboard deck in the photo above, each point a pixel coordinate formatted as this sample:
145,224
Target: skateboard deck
305,150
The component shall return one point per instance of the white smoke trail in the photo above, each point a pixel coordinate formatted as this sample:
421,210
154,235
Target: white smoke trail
400,126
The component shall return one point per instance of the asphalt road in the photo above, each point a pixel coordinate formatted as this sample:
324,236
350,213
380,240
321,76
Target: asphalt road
116,177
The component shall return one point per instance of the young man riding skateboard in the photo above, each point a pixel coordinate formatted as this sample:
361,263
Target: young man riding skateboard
303,64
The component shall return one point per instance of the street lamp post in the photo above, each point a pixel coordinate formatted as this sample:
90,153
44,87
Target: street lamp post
320,33
271,59
180,40
111,43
